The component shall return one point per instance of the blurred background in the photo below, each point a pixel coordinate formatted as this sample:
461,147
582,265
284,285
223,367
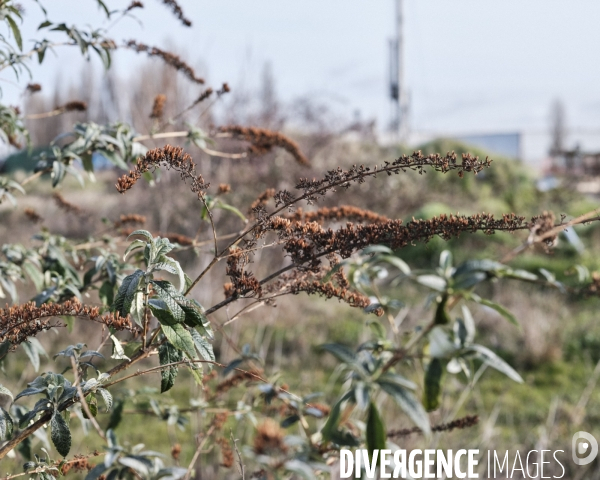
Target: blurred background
503,75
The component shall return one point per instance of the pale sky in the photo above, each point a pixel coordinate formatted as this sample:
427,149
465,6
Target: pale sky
471,65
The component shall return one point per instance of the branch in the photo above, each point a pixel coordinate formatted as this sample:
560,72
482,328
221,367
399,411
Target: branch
84,404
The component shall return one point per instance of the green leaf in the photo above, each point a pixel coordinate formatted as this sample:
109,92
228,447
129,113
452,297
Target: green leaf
138,308
60,434
496,362
133,246
167,354
127,291
16,32
432,281
408,403
342,353
331,431
375,434
195,317
6,425
6,397
446,263
499,308
58,172
144,233
230,208
92,404
433,391
172,298
33,348
172,266
204,347
116,416
332,421
95,472
180,338
161,312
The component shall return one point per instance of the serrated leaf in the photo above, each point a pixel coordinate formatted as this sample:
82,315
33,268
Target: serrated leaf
107,397
172,266
167,292
180,338
60,434
126,291
167,354
204,347
433,390
375,432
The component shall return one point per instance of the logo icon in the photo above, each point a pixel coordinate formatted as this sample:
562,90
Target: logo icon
584,444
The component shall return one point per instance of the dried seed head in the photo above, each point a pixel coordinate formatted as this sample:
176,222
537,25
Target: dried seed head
262,141
269,438
32,215
74,106
178,12
167,57
158,106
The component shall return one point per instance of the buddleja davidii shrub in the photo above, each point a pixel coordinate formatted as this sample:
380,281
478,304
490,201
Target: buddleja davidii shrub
163,320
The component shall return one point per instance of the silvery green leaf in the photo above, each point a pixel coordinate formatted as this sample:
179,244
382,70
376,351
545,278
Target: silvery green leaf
133,246
118,352
6,425
454,366
172,266
408,403
440,345
136,463
432,281
204,347
138,309
6,397
144,233
107,397
496,362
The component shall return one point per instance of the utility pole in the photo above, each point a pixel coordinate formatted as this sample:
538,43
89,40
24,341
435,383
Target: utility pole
397,90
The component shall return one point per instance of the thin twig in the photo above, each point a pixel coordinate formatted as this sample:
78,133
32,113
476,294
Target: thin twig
198,451
84,404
